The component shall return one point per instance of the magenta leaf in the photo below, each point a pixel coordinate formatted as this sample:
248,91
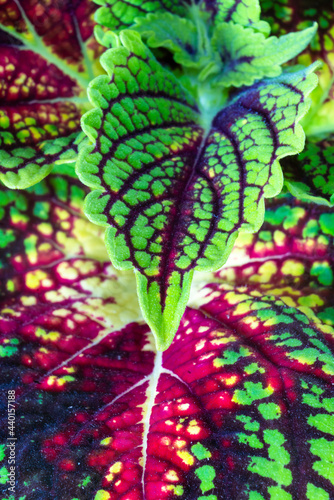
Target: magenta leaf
240,405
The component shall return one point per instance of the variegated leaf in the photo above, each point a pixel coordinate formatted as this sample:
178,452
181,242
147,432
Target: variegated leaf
174,184
240,406
46,62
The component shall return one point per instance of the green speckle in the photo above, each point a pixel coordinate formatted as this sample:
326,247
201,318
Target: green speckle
314,493
253,391
248,423
6,237
200,451
252,368
251,440
3,475
208,497
41,210
230,357
325,450
84,482
323,272
206,474
277,493
323,422
254,495
326,222
269,411
9,349
178,490
279,458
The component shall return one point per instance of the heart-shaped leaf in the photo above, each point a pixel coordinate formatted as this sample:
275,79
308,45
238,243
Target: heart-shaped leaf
241,404
176,185
46,62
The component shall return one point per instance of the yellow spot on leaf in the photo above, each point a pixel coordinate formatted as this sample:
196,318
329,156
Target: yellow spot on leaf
200,345
194,429
171,476
179,443
231,380
102,495
293,268
166,441
53,336
28,300
106,441
265,272
34,278
186,457
114,469
59,382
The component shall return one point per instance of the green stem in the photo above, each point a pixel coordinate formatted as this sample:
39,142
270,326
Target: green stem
210,101
204,45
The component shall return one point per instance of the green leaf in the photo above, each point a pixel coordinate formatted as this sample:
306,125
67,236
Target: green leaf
177,34
243,56
247,386
119,14
310,175
176,194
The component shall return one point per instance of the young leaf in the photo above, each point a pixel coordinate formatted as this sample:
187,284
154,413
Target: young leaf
174,193
286,16
241,404
310,175
244,56
177,34
119,14
243,12
45,65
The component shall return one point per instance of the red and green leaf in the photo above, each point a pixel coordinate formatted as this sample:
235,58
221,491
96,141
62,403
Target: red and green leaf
46,62
174,190
240,406
309,175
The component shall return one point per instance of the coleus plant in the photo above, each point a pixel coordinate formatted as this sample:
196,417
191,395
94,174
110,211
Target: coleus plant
184,119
